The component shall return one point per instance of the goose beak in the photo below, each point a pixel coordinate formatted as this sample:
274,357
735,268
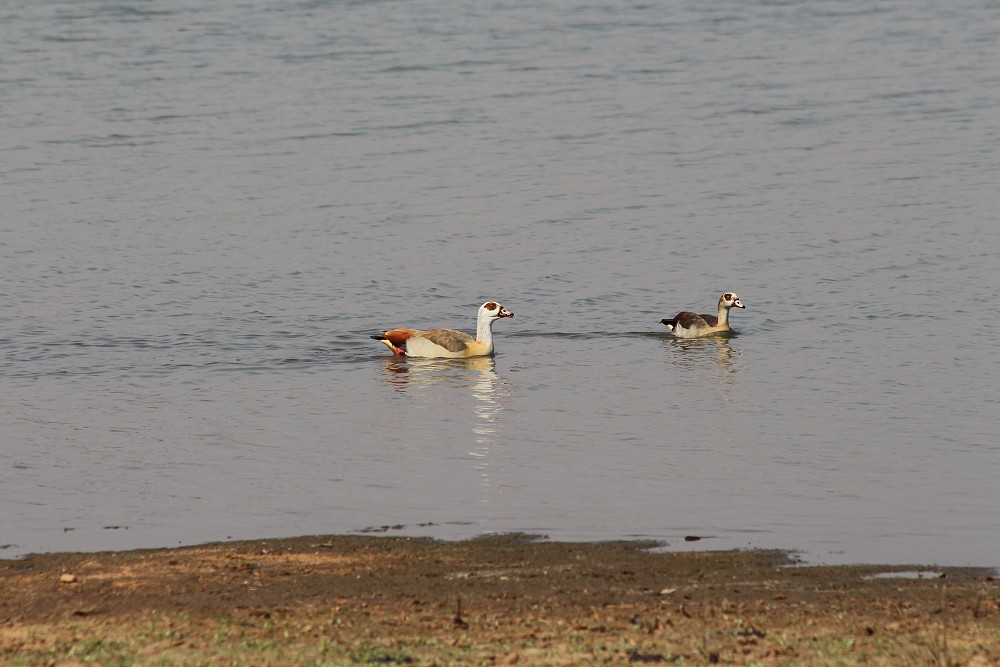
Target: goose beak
505,313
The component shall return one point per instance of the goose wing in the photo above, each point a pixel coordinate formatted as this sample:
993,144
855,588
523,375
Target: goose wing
449,339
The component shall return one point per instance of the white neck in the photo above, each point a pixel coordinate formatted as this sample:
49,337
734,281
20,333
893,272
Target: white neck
484,329
723,315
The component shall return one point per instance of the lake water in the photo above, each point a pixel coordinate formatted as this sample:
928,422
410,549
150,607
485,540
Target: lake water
209,207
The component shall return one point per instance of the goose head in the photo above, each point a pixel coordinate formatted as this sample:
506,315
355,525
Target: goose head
491,311
730,300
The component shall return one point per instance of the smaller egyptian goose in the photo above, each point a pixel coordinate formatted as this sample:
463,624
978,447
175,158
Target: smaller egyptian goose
690,325
447,342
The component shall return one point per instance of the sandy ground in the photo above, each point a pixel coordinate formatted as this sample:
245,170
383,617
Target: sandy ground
494,600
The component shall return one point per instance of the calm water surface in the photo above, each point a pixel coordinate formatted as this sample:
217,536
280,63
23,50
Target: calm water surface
207,209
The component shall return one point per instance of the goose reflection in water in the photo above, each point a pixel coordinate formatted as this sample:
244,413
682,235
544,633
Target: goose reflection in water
715,354
448,383
405,373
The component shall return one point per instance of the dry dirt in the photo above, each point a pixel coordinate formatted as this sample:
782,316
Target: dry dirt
495,600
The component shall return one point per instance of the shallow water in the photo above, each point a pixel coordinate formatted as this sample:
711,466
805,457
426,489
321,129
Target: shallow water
208,209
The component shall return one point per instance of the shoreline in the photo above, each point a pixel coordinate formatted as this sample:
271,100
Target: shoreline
499,599
675,544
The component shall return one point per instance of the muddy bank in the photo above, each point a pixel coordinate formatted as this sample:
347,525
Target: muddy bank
357,599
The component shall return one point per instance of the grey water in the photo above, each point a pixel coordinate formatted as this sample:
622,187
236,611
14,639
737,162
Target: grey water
207,208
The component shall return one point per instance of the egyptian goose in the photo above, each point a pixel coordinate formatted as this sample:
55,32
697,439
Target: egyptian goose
447,342
690,325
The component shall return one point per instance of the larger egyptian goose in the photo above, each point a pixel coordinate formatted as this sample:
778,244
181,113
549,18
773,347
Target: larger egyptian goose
686,324
447,343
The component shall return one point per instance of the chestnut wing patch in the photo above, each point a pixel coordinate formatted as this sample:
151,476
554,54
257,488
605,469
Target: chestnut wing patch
398,337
